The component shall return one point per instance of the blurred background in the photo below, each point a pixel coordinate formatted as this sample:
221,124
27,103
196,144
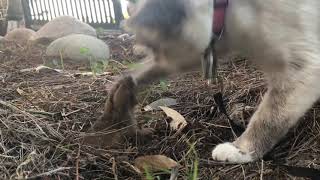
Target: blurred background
105,14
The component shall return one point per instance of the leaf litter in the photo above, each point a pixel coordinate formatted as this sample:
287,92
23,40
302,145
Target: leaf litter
43,113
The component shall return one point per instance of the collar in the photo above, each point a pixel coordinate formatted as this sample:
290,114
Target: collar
220,7
209,60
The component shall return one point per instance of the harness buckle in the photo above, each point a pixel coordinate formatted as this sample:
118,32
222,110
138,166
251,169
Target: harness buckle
209,63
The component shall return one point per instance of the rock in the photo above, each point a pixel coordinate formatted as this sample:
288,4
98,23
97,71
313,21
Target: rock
19,35
60,27
155,106
79,49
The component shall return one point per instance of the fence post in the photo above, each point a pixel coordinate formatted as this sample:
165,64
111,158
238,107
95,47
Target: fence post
27,13
30,11
3,21
117,11
15,15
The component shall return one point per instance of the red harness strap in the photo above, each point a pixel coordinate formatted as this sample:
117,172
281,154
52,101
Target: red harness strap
220,7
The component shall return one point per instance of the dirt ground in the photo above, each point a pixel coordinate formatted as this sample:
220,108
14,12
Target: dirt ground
43,113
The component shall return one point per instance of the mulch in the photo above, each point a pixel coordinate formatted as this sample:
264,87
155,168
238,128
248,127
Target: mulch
43,113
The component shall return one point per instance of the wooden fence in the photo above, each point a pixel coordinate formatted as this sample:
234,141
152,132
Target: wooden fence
3,9
98,13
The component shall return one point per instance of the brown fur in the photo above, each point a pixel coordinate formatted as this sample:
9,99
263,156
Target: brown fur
117,121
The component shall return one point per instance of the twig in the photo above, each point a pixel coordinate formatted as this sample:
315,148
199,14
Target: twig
114,168
215,163
42,113
75,111
24,113
174,173
77,164
124,66
262,167
50,172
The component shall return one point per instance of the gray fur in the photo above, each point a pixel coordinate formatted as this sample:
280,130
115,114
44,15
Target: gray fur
166,16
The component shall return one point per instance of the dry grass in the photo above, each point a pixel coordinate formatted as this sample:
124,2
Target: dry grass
43,114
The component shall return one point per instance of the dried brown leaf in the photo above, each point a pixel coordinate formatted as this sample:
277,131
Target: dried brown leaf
154,163
178,121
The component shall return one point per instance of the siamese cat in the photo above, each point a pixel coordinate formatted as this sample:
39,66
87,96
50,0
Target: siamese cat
281,37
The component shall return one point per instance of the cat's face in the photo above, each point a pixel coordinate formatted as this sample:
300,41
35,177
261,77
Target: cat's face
177,31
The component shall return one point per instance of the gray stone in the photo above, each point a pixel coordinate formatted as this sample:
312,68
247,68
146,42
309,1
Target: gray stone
60,27
155,106
19,35
79,49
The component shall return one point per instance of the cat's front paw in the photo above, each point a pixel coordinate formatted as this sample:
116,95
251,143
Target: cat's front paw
227,152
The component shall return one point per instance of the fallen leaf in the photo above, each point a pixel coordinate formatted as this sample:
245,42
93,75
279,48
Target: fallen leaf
27,70
165,102
46,69
178,121
91,74
154,163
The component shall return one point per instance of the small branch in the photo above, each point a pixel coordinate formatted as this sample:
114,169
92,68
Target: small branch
14,108
77,164
49,172
42,113
174,173
262,167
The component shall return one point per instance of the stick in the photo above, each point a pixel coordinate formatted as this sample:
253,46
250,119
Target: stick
33,118
50,172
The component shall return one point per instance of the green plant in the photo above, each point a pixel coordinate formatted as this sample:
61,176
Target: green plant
99,30
193,159
61,60
152,176
149,174
164,84
132,65
84,50
97,66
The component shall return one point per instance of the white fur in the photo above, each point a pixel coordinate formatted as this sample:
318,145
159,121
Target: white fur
228,152
280,36
198,28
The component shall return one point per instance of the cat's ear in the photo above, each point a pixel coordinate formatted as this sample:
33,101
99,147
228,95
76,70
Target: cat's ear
164,16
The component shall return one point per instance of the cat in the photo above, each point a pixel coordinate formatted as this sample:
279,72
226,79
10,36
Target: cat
281,37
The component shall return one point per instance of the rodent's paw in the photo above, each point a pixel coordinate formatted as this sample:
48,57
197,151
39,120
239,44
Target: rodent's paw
122,96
